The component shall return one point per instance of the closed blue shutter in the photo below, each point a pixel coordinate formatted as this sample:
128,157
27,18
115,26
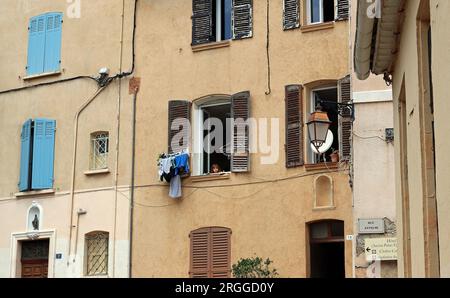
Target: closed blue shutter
36,45
53,26
43,154
228,7
25,156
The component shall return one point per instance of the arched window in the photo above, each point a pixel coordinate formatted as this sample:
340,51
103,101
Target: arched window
323,192
99,150
97,244
210,252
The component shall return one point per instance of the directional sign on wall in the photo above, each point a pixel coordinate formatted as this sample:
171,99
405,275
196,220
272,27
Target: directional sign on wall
383,249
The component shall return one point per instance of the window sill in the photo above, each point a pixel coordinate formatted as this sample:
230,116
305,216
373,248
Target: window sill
211,45
211,177
41,75
317,27
34,193
96,172
322,166
326,208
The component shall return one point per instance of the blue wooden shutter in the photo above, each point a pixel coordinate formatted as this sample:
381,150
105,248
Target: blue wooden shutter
36,45
53,26
43,154
25,156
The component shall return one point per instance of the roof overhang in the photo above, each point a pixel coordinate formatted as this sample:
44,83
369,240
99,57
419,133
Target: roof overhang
377,36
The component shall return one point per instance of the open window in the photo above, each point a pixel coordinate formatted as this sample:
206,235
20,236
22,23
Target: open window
324,97
320,11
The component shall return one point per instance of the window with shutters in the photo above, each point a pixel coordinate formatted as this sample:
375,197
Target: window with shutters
221,134
323,11
99,150
210,255
44,44
96,260
328,94
37,154
218,20
326,97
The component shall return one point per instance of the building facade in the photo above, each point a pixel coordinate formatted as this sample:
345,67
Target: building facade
373,170
414,57
262,60
64,175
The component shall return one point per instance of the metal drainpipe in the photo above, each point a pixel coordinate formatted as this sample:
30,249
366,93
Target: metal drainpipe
72,187
133,153
116,174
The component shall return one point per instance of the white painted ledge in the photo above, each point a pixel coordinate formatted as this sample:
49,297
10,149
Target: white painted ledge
372,96
41,75
34,193
96,172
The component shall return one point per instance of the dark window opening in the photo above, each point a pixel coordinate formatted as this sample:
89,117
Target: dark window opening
218,160
328,10
328,95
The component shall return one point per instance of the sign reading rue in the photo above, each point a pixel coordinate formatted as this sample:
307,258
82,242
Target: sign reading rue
371,226
383,249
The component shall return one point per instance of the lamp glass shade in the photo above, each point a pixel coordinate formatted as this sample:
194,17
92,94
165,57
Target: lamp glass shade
318,126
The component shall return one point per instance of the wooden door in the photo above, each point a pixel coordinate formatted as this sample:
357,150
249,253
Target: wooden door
34,259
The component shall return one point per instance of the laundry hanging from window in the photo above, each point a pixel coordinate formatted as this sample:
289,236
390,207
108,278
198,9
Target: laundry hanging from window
171,167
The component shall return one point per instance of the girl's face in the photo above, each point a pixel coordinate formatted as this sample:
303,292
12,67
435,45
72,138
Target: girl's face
215,169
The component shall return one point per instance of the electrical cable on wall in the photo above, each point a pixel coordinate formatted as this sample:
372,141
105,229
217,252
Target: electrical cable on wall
269,91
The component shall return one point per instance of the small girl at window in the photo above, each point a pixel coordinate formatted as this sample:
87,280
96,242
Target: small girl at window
215,168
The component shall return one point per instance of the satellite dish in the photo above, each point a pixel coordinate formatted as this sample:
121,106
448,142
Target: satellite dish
326,146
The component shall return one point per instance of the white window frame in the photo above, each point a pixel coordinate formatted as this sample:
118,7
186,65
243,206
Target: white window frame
198,128
93,156
308,9
312,157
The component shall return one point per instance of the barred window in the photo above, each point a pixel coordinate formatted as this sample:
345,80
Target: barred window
97,253
99,150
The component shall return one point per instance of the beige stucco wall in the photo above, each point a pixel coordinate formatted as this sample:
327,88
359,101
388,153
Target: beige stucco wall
88,43
407,67
269,219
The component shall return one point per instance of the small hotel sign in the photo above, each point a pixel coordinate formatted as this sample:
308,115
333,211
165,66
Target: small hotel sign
371,226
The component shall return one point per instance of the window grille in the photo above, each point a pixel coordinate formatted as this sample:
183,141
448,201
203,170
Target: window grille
99,151
97,253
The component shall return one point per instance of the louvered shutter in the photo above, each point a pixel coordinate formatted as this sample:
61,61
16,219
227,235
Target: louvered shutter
200,251
221,251
240,112
291,14
343,8
25,156
179,114
43,154
210,253
242,19
346,121
53,26
36,45
202,28
294,126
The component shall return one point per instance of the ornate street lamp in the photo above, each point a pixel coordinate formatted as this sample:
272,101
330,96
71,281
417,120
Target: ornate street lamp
318,125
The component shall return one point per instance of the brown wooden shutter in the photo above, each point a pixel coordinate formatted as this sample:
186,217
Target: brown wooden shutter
178,109
221,251
202,29
210,253
291,14
294,126
342,10
240,110
200,251
242,20
346,121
